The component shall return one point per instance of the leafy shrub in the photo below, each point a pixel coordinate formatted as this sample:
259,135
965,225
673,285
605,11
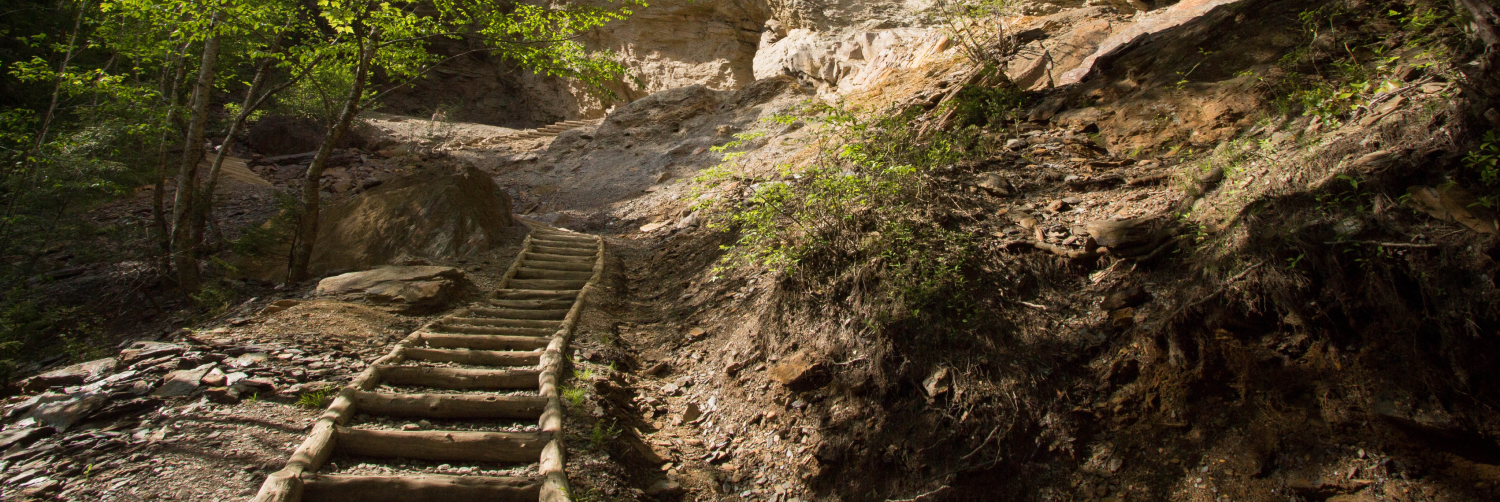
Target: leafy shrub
863,206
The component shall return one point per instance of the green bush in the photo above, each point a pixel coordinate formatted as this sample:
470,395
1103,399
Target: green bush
864,205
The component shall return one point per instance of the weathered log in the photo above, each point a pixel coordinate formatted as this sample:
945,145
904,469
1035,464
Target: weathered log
567,251
533,256
556,241
560,265
493,330
547,284
459,378
524,314
482,342
528,273
484,317
562,304
420,489
453,446
571,237
476,357
534,294
450,405
281,486
555,487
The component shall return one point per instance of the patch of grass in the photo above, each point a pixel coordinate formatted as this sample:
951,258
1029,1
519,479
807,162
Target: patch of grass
315,400
601,435
573,395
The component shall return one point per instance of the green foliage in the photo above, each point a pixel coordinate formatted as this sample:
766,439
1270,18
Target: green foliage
320,95
573,395
978,27
600,436
1343,68
1484,163
861,207
586,374
315,400
997,106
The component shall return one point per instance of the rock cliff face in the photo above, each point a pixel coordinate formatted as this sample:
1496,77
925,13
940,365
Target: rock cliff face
841,46
721,45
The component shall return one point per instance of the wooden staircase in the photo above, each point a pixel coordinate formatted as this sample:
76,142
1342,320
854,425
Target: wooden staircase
555,129
511,342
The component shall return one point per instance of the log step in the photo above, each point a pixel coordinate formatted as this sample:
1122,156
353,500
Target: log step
547,284
493,330
532,257
483,342
532,304
474,357
558,265
502,322
526,272
587,252
450,405
518,314
564,243
458,378
565,237
532,294
419,489
452,446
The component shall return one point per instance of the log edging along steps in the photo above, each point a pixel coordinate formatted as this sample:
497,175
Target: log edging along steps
299,474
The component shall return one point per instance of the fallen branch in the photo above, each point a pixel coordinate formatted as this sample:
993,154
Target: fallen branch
1084,184
1407,245
1054,249
851,361
1147,179
938,494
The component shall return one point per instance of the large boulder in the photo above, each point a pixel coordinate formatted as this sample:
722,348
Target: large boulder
410,290
444,212
78,374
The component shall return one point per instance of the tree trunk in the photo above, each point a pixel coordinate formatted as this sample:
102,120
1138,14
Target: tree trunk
171,90
205,207
184,254
307,231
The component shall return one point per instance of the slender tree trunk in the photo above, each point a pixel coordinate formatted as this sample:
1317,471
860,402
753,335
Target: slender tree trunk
205,207
307,231
187,177
171,91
